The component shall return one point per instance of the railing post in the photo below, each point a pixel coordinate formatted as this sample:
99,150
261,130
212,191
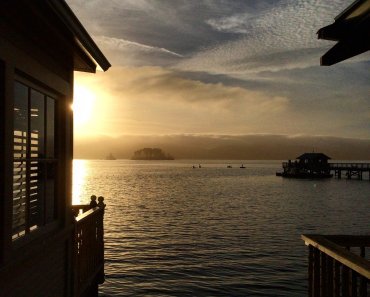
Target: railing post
100,238
363,287
345,281
363,281
89,250
330,276
353,284
316,273
323,275
310,270
336,278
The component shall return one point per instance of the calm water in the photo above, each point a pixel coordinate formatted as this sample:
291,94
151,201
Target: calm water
176,231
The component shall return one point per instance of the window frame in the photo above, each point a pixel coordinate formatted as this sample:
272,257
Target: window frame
43,227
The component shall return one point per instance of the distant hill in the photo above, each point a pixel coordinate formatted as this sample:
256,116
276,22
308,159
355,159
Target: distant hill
151,154
226,147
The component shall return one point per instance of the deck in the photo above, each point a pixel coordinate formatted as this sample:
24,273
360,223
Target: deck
346,169
350,170
338,265
88,250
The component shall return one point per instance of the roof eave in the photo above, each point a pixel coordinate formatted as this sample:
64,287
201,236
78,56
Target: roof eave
83,39
350,30
344,50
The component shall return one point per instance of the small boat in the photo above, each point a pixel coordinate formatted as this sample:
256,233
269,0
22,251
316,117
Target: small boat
242,166
200,166
229,166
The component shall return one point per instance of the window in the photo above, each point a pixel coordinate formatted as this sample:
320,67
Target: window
34,162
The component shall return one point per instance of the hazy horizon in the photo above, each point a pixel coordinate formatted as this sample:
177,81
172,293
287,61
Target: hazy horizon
224,147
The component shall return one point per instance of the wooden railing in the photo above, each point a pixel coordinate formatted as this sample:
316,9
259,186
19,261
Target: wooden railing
348,166
88,250
337,265
80,209
305,165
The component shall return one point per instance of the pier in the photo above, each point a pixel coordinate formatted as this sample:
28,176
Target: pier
350,170
317,165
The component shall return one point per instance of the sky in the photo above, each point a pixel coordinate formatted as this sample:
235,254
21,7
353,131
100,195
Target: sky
218,69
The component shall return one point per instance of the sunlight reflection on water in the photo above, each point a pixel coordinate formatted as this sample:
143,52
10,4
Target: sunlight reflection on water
79,181
171,230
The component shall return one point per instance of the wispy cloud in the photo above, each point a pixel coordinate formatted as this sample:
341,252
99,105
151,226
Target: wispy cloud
125,45
278,38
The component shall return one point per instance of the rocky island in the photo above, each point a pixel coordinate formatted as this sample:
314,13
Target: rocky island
151,154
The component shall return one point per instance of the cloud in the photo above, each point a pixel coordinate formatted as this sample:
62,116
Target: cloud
162,101
283,36
152,83
126,45
220,37
155,100
216,66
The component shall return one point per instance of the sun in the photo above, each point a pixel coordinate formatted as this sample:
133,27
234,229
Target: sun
83,105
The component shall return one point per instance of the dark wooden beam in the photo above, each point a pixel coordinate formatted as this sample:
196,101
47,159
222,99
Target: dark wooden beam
345,49
351,30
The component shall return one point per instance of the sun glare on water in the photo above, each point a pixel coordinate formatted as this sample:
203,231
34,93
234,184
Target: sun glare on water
80,172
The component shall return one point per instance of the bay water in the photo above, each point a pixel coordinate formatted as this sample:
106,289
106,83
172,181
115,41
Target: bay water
175,230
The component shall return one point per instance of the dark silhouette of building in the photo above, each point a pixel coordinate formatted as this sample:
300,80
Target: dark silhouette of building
338,264
311,161
308,165
351,30
41,243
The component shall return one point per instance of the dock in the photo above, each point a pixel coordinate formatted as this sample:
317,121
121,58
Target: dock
317,165
350,170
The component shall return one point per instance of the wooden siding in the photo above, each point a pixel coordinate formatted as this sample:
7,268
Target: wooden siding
39,264
39,50
41,273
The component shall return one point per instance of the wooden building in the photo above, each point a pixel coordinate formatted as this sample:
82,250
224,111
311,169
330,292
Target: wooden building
307,165
338,265
351,30
43,250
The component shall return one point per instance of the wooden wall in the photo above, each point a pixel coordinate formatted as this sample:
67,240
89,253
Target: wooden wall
41,273
40,264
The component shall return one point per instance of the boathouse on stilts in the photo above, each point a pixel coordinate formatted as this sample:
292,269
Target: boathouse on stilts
45,248
338,265
307,165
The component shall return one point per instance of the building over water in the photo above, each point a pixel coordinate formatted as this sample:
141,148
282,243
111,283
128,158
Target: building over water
308,165
44,249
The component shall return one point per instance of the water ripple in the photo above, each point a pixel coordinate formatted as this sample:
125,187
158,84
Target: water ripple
175,231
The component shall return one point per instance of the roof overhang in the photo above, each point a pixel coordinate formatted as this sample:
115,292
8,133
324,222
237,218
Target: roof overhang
313,156
95,58
351,30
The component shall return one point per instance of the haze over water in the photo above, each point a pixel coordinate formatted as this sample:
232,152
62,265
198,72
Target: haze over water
171,230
